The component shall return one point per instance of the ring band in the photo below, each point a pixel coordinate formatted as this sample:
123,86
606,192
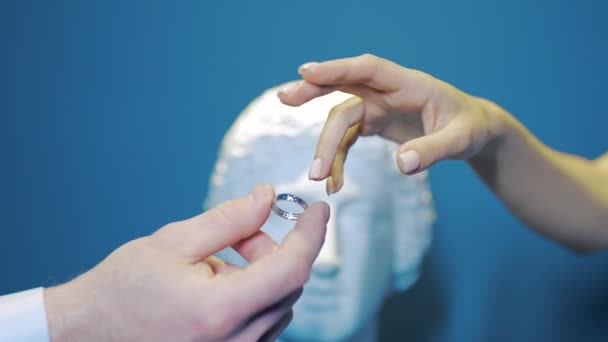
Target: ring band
289,198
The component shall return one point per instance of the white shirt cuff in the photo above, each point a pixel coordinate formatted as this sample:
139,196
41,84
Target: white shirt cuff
23,317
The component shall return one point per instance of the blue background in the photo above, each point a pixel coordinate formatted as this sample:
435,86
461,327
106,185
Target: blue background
112,112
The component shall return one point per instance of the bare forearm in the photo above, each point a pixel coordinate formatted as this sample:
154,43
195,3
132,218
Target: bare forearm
562,196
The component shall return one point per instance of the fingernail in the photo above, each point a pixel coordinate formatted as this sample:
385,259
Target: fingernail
288,88
308,67
315,169
410,161
329,185
262,192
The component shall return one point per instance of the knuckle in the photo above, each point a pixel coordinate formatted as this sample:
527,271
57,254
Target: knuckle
371,64
463,140
166,235
300,271
167,227
368,57
333,112
221,215
218,325
466,141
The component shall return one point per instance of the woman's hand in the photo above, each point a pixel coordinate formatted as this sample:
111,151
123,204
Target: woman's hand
430,118
562,196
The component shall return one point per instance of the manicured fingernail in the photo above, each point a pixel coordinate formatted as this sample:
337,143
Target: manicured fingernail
262,192
288,88
307,67
315,169
410,161
329,185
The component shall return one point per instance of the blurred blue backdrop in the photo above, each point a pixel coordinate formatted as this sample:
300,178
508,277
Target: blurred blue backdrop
112,112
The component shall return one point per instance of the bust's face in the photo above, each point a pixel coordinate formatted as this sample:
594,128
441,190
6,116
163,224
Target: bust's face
353,272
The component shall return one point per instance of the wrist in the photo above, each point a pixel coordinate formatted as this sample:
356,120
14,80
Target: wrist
501,126
72,314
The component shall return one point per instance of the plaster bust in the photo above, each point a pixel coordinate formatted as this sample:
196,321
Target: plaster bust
380,223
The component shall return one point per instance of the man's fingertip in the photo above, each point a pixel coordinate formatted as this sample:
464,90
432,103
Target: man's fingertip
263,192
325,208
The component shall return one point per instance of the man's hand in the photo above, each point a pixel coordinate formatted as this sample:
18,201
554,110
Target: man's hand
170,287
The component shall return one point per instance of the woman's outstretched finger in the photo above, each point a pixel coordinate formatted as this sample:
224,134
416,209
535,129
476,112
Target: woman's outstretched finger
340,119
370,70
336,178
297,93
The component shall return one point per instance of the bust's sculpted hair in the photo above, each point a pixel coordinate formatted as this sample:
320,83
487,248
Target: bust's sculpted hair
268,129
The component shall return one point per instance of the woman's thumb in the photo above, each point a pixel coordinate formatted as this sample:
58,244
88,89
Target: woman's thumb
420,153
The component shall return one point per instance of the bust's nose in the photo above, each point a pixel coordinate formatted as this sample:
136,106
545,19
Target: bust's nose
328,262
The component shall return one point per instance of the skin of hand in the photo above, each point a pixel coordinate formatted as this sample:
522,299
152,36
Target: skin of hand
432,119
169,287
562,196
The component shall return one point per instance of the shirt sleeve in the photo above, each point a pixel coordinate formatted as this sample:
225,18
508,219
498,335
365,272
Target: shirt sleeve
23,317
